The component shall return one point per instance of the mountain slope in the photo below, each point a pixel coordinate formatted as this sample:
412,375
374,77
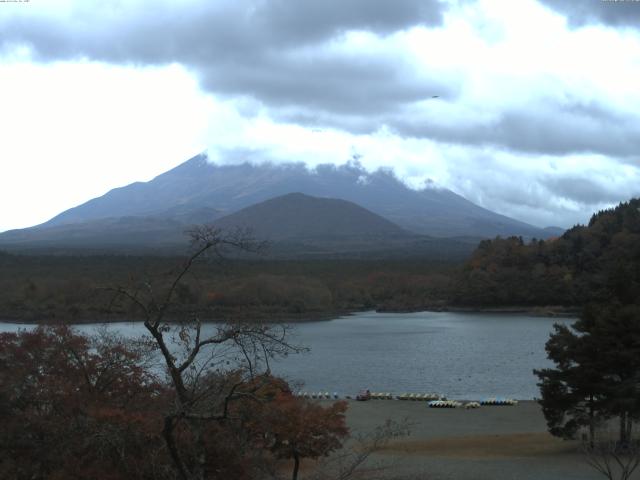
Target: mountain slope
128,233
224,189
296,225
297,216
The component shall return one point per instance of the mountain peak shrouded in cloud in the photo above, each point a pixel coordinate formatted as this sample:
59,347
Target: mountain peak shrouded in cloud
527,108
327,209
218,190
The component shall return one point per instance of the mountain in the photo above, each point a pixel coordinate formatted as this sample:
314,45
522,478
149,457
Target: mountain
198,184
336,209
295,225
296,216
302,226
133,234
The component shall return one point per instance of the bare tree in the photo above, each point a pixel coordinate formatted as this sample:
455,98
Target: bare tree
354,461
614,460
210,367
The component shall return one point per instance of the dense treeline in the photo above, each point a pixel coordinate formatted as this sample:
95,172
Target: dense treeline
579,267
595,380
587,264
71,288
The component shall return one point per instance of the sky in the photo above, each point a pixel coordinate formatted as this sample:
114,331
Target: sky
530,108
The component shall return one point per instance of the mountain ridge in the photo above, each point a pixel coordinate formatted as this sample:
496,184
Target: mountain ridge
225,189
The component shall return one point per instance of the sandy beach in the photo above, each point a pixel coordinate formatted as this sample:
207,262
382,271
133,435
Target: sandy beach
492,442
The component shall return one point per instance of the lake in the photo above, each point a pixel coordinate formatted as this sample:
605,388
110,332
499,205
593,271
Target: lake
460,355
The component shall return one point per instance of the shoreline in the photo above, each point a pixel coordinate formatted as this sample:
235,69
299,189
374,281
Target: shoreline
548,311
277,318
304,317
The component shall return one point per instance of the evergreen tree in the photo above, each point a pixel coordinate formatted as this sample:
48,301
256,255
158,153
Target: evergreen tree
571,393
597,374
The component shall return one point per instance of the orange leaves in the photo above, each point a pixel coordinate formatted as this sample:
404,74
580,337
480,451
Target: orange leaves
64,398
78,407
296,426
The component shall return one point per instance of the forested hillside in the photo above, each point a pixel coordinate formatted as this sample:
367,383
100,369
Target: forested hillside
595,263
591,263
72,288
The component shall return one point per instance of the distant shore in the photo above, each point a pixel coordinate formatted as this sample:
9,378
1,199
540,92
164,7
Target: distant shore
244,316
312,316
534,311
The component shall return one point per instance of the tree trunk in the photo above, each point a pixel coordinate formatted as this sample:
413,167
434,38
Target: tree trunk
167,432
296,465
200,450
592,426
624,439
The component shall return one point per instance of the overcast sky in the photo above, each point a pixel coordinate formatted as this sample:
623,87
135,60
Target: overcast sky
536,112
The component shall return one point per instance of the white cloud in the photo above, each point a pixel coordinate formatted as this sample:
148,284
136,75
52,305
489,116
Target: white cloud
535,119
73,131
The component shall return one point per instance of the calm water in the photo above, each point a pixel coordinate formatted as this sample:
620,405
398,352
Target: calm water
461,355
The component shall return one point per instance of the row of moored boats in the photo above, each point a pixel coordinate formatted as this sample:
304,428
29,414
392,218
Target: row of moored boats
320,395
435,400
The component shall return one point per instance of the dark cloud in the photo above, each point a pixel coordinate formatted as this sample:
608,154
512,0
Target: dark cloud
310,19
341,83
609,12
276,51
286,54
583,190
555,129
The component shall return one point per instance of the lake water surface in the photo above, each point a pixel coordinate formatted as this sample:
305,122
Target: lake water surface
461,355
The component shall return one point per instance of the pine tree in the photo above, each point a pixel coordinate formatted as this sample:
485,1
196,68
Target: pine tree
597,374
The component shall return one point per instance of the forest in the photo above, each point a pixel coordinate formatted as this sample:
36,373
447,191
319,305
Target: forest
567,272
74,288
594,382
586,264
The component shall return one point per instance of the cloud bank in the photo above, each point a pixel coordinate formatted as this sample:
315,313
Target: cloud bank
531,110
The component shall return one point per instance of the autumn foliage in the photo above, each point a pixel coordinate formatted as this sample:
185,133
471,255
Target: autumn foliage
293,428
594,263
75,407
79,407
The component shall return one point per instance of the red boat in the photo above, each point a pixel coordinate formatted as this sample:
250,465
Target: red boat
363,395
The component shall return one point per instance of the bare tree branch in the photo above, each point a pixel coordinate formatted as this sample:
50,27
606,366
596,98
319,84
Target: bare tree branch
201,396
612,459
